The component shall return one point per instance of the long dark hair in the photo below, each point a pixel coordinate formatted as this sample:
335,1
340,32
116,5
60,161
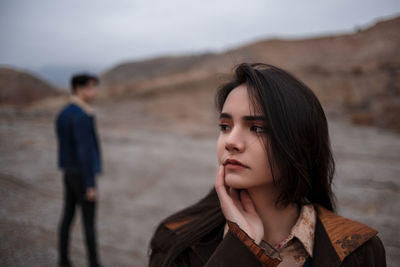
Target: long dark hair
299,146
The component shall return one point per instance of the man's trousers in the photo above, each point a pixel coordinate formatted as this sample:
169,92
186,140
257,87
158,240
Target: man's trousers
74,195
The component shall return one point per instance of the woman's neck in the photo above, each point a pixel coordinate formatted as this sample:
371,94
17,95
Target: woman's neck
277,221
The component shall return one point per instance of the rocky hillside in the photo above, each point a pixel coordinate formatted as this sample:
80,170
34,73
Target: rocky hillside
21,88
356,75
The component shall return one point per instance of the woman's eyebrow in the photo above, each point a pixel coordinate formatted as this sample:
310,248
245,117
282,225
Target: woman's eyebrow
225,116
245,118
253,118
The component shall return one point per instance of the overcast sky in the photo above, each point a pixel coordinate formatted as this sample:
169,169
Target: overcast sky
102,33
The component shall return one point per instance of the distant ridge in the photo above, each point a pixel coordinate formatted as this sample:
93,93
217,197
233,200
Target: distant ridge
21,88
354,74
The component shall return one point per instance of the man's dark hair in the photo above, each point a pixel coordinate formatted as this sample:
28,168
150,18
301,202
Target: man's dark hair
82,79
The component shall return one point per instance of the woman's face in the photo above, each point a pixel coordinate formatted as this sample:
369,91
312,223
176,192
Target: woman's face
240,146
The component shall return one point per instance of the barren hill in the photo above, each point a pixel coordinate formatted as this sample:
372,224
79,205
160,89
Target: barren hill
353,74
21,88
159,144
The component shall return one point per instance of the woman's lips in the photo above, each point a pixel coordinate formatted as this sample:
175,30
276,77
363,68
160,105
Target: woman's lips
234,167
234,164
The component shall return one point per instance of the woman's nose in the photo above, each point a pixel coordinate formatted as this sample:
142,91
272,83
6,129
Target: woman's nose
234,142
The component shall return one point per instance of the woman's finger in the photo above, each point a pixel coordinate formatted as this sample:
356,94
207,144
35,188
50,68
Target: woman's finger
220,187
234,194
230,204
247,202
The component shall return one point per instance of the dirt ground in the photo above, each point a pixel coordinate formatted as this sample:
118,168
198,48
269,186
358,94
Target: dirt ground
154,166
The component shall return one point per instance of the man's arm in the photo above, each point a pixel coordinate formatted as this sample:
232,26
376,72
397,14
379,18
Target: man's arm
82,128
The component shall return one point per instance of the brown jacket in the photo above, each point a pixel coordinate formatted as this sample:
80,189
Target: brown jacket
338,242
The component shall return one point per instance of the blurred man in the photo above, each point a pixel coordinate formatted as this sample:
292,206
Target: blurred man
79,158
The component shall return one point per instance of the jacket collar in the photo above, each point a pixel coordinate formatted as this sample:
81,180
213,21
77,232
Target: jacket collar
336,237
82,104
344,235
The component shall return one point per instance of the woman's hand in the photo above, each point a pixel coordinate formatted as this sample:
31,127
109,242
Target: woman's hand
239,208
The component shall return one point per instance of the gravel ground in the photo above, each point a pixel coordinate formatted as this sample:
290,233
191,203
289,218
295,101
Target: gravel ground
153,169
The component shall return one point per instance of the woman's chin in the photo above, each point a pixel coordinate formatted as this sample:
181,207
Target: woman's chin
235,181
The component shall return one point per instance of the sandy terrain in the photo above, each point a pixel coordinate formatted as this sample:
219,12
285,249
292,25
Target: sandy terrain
154,167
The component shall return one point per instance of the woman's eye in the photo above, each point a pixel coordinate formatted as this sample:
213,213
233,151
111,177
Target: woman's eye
257,129
224,127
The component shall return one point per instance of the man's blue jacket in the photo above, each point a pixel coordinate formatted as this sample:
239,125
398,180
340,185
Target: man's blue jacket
78,146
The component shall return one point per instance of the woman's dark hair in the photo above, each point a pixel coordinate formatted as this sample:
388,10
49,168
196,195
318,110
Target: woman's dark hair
82,79
299,149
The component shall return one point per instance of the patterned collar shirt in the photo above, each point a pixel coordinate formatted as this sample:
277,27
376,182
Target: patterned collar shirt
294,250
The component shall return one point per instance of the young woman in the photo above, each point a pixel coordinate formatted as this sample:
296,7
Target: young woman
272,204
